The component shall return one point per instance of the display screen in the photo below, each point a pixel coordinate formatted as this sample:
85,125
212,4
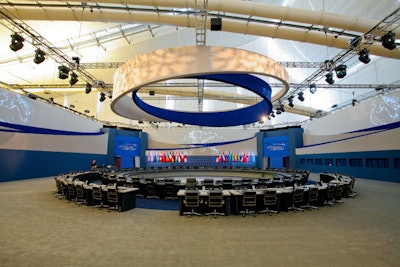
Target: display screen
276,146
127,146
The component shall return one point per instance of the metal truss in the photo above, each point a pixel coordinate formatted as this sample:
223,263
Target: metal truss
359,43
14,24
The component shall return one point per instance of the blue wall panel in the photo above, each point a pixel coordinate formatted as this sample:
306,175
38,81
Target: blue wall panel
19,164
390,173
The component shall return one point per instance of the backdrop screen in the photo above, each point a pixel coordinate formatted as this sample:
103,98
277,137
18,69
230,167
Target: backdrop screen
276,146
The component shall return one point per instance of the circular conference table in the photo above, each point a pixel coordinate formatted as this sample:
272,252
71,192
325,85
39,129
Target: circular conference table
175,183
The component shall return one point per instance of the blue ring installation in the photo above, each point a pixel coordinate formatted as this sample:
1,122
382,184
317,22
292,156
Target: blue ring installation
241,116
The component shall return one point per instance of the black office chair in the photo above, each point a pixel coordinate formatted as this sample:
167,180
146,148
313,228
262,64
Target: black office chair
97,196
249,202
297,200
137,184
112,197
215,201
338,194
71,192
312,200
227,183
80,194
61,189
246,183
270,200
170,189
208,183
330,195
150,188
191,184
192,201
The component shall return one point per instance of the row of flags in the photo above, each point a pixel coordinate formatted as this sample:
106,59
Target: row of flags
181,157
167,156
241,156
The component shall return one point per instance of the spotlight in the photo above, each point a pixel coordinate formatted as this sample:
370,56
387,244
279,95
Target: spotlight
290,99
63,72
39,56
282,108
77,60
364,56
16,42
88,88
272,114
74,78
278,111
341,71
301,96
388,40
102,97
329,78
313,88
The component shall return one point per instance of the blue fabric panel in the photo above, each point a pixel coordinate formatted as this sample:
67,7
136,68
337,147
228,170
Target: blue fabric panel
20,164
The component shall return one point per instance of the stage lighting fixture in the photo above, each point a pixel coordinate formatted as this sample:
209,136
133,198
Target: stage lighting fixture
74,78
300,96
282,107
102,97
39,56
329,78
388,40
16,42
313,88
290,99
278,111
88,88
77,60
63,72
272,114
364,56
341,71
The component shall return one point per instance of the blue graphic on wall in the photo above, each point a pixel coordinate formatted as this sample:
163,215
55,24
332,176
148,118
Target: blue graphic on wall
127,148
276,148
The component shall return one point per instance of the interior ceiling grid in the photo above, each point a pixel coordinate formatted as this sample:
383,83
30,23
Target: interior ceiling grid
287,49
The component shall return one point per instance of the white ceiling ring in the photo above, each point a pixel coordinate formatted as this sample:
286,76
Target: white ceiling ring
187,61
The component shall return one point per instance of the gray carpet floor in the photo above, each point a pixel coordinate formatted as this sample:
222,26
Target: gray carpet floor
37,229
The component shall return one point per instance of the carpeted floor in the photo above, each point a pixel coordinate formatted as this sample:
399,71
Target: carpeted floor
37,229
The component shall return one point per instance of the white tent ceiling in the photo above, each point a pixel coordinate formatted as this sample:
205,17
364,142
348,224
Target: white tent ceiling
104,34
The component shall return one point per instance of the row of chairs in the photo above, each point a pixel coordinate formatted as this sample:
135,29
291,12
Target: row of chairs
215,202
76,192
301,200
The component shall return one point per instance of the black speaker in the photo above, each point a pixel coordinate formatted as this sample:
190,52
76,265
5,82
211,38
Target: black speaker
216,24
151,92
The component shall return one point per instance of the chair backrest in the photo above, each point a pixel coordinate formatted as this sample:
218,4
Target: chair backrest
249,198
80,193
215,199
192,198
112,194
191,183
313,194
97,193
227,183
330,193
246,183
298,195
71,190
270,197
209,183
339,191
